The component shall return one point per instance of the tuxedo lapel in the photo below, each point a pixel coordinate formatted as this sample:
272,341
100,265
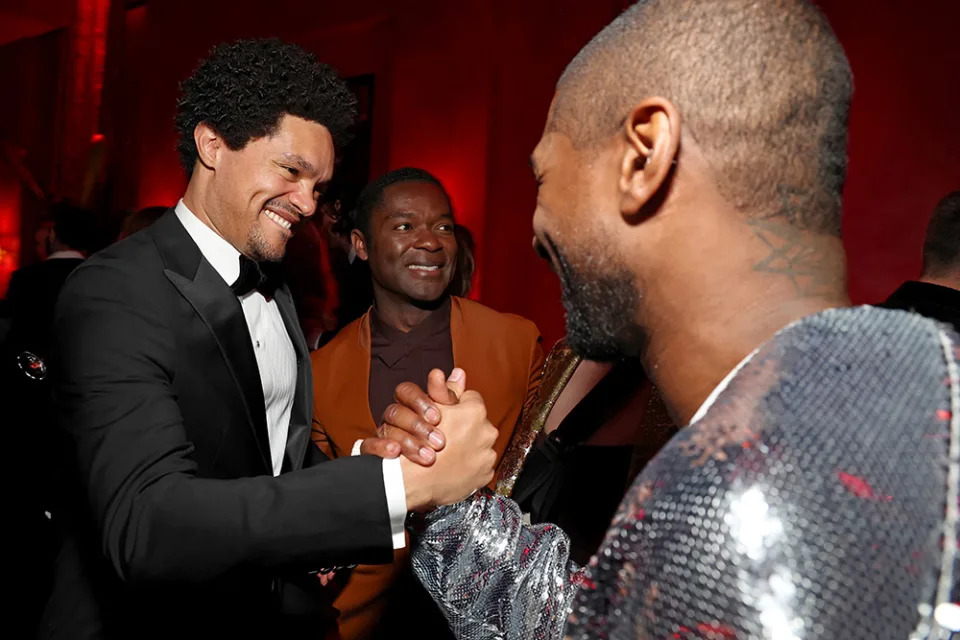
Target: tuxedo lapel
301,415
220,310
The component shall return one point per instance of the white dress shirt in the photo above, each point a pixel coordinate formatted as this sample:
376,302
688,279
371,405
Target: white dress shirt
277,362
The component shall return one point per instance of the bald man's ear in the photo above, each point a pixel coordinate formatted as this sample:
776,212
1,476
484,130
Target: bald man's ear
652,133
359,244
210,145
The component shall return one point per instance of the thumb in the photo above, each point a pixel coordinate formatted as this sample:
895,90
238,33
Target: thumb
457,382
443,390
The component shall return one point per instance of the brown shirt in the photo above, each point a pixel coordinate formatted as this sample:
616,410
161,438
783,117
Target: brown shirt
397,357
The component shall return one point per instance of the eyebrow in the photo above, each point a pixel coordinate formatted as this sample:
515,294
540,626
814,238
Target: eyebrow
406,215
298,160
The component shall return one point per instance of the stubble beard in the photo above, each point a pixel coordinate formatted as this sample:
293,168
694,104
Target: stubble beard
601,300
261,249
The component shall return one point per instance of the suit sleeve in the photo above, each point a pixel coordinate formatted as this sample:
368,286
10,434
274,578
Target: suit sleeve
156,520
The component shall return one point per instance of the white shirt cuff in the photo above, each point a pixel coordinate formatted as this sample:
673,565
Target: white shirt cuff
396,500
396,494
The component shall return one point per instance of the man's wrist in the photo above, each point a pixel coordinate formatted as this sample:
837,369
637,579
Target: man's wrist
415,485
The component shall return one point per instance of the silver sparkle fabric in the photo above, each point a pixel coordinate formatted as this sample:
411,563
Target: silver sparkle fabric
817,498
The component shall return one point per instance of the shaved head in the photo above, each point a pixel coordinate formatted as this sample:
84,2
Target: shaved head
763,87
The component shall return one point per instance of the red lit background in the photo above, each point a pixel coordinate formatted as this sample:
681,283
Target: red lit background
462,89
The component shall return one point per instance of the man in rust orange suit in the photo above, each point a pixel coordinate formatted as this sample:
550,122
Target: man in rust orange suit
404,229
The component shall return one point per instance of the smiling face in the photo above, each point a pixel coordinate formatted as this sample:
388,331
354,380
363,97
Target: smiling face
259,193
411,246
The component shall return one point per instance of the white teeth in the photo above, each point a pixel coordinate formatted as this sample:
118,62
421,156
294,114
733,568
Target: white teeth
423,267
280,221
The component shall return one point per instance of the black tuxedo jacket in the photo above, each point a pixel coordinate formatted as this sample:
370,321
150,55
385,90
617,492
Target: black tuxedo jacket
180,529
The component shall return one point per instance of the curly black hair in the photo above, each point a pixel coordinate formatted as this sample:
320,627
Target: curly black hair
244,88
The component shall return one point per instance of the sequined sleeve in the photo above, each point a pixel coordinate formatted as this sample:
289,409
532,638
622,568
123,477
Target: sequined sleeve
493,576
816,498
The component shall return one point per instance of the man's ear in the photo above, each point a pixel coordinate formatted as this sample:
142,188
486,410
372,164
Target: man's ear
652,135
210,145
359,244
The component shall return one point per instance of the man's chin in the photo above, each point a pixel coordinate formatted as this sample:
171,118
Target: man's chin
430,300
269,257
272,252
601,338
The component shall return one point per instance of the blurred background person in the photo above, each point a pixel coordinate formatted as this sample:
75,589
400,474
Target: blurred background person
63,244
307,270
139,220
937,292
354,289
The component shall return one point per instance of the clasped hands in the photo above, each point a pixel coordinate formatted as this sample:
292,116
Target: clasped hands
444,438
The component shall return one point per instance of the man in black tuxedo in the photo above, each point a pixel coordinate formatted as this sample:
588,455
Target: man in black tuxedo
184,385
937,293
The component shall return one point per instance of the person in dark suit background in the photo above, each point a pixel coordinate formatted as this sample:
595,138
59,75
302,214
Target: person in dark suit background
199,507
34,288
62,245
937,293
140,220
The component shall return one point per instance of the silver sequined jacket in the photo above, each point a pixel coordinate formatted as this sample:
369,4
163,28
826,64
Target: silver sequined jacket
817,498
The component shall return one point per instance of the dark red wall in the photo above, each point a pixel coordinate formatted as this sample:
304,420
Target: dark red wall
462,89
28,138
904,132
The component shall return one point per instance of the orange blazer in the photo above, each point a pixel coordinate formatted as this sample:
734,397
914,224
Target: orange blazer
503,358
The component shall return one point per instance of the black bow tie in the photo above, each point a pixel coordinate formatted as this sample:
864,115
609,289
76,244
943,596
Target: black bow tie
265,278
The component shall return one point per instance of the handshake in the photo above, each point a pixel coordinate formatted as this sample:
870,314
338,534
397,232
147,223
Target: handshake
444,438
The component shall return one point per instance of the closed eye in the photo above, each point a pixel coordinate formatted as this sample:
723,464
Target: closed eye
291,170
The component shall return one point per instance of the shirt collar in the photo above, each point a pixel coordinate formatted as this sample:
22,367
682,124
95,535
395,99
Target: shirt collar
66,253
222,255
391,344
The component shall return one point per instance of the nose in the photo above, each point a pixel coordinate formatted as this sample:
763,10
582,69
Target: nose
427,240
539,248
305,200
